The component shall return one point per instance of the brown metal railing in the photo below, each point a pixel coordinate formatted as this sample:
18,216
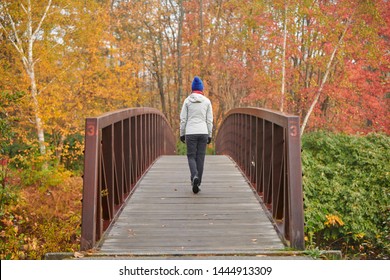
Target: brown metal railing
265,144
119,147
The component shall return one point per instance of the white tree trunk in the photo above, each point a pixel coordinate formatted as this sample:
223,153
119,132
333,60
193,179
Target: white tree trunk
28,61
324,79
179,55
284,58
38,120
33,84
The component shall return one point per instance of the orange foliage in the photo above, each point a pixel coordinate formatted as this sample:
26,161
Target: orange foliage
42,222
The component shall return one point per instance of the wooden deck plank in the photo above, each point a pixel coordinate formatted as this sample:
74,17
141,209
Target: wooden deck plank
163,216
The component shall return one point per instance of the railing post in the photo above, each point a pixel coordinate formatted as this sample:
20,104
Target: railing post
294,177
88,226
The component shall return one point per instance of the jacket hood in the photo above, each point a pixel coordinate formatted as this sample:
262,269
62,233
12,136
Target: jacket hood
196,98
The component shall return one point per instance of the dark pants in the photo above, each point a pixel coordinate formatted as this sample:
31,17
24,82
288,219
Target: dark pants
196,152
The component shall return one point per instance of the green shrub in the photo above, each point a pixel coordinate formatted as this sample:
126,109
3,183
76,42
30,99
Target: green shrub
44,178
181,149
7,119
347,193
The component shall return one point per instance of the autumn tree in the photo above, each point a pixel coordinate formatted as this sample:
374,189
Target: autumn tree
322,60
22,25
328,46
347,34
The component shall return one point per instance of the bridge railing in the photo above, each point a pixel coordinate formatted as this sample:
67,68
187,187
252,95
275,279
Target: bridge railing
265,144
119,147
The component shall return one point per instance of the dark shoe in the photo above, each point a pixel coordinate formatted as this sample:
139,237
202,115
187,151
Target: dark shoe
195,184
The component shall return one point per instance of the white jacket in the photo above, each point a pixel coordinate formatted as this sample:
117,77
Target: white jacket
196,115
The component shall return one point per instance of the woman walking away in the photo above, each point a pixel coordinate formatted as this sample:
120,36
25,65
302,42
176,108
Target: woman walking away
196,125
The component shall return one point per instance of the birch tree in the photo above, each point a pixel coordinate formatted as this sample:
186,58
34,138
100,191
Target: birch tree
179,54
325,77
23,36
284,56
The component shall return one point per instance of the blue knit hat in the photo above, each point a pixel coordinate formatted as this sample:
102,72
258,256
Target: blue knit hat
197,84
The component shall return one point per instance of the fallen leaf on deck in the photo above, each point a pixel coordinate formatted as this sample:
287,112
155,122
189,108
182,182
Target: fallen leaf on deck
78,255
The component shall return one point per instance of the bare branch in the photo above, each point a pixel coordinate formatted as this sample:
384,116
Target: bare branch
24,8
19,49
41,21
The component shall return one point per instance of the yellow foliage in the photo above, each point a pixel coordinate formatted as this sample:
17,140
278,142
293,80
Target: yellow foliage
359,235
333,220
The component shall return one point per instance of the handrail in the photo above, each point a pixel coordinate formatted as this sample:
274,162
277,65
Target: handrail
119,147
265,144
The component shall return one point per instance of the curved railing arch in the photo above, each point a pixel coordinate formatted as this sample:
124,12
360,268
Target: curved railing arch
119,147
265,144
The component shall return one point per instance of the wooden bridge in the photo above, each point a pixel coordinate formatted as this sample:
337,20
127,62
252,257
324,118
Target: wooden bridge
137,198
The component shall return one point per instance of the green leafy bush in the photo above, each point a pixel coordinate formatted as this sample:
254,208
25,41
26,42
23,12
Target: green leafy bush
45,178
7,100
347,193
181,149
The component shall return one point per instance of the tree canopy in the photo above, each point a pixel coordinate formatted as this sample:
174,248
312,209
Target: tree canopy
63,60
